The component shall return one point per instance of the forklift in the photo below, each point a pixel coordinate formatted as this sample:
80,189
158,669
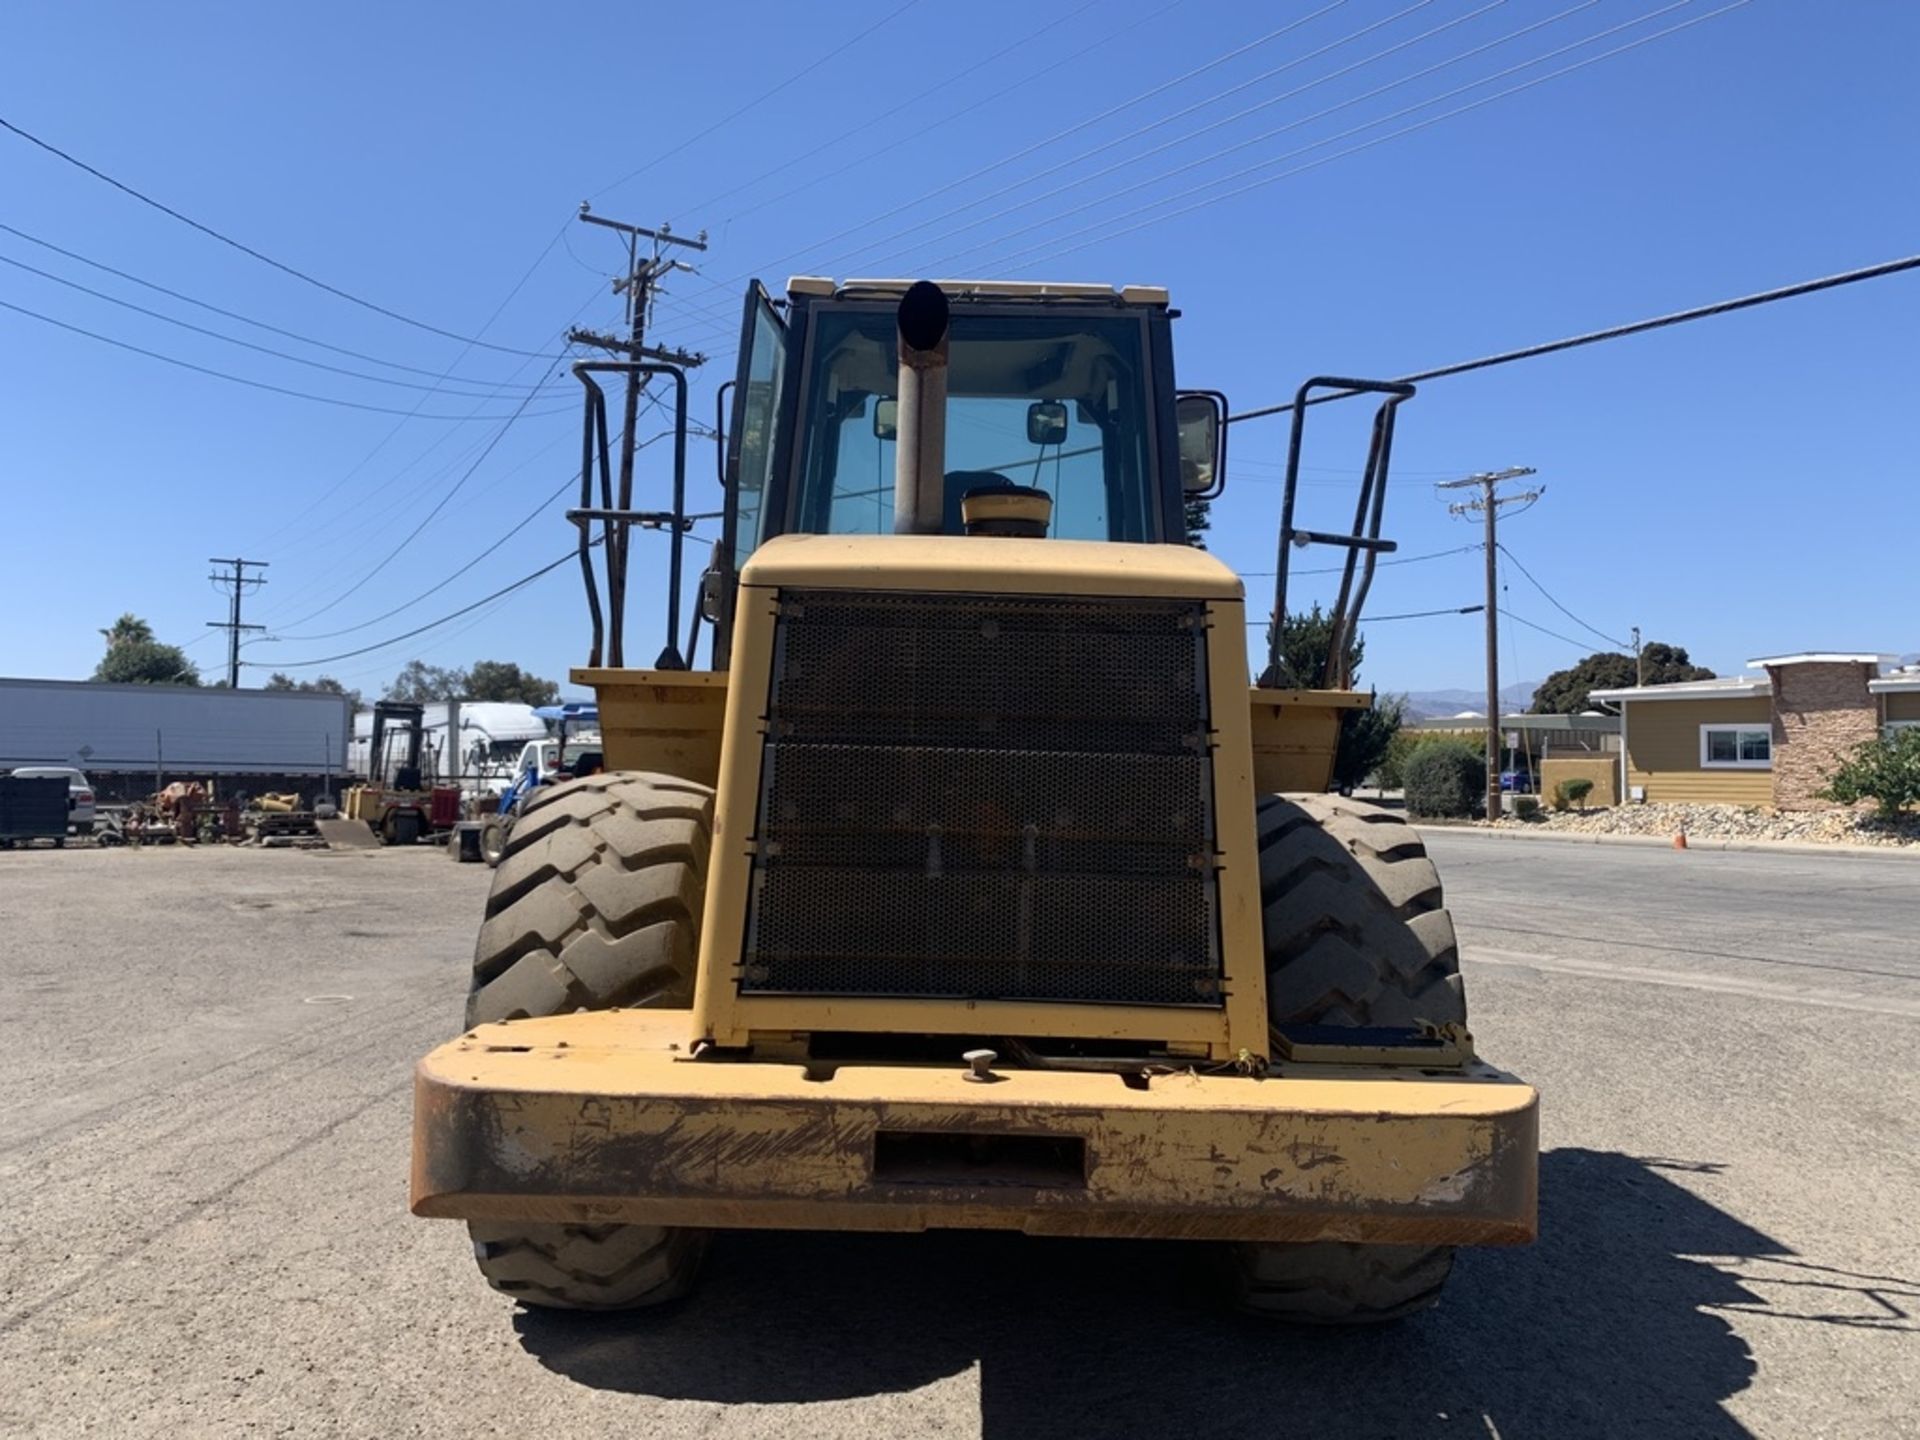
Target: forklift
393,802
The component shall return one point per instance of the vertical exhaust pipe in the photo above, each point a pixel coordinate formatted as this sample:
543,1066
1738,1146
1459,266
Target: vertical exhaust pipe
920,442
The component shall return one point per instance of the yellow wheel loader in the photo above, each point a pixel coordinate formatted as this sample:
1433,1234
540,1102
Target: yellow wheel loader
973,883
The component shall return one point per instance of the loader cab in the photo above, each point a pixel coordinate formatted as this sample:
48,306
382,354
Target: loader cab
1067,390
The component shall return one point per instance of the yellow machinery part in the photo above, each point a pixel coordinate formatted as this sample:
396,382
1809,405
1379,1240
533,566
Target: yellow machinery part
607,1117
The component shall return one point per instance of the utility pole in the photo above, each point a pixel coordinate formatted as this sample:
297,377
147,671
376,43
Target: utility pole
240,582
639,285
1639,660
1489,503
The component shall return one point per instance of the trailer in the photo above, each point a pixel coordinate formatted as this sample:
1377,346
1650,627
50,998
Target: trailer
135,738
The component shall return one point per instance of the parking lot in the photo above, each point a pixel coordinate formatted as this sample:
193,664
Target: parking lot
204,1095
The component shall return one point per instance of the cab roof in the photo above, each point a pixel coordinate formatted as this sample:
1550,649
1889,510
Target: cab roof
822,286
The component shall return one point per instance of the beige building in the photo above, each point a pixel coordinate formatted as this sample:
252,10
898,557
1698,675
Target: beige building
1769,739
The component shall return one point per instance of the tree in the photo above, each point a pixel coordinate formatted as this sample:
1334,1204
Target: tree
134,657
1565,692
487,680
1365,735
324,685
503,680
1304,644
422,683
128,629
1885,771
1199,520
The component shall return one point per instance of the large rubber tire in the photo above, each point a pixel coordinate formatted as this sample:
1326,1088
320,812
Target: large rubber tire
595,904
1356,934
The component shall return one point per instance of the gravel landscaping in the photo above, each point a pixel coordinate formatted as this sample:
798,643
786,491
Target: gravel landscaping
1728,822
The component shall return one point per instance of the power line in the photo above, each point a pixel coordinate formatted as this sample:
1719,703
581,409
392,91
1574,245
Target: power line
1580,645
762,98
246,344
1212,156
1555,603
1616,332
522,582
1211,99
915,99
1093,231
542,508
400,424
1397,560
263,258
1100,226
426,519
1099,233
211,308
243,380
1407,615
715,311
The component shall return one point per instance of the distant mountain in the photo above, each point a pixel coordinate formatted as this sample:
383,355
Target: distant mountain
1438,704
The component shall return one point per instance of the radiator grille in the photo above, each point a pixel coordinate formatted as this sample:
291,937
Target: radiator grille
986,797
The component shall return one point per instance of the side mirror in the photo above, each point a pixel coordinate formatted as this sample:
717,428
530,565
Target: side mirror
886,419
1201,418
1046,423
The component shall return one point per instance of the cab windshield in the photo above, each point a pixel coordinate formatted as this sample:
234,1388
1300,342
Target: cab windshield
1076,381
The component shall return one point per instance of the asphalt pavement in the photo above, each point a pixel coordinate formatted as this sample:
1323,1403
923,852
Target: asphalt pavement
204,1101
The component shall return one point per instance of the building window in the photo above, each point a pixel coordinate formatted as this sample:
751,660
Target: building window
1736,747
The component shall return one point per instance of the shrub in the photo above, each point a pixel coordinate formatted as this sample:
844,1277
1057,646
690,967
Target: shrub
1571,792
1885,771
1446,780
1526,807
1391,772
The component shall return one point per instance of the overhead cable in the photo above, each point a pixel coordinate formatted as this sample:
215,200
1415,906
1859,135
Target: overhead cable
1130,162
792,78
1098,233
1624,645
1213,156
916,98
572,556
211,308
246,249
245,344
715,310
1395,560
1616,332
426,519
1522,620
243,380
1407,615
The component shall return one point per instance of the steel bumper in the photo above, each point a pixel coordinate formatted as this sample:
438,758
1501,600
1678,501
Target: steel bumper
597,1118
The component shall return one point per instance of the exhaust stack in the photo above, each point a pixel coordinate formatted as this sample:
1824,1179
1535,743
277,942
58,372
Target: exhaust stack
920,444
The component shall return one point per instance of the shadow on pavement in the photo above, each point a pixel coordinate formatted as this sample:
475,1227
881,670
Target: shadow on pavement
1601,1329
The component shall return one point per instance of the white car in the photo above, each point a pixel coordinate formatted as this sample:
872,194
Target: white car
79,792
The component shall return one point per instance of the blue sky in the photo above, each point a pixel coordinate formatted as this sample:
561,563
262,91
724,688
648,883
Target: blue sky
1745,486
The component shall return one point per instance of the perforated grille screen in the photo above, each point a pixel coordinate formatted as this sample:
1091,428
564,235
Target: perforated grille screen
986,796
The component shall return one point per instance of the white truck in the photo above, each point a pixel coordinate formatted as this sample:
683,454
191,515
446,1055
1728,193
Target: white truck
492,737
